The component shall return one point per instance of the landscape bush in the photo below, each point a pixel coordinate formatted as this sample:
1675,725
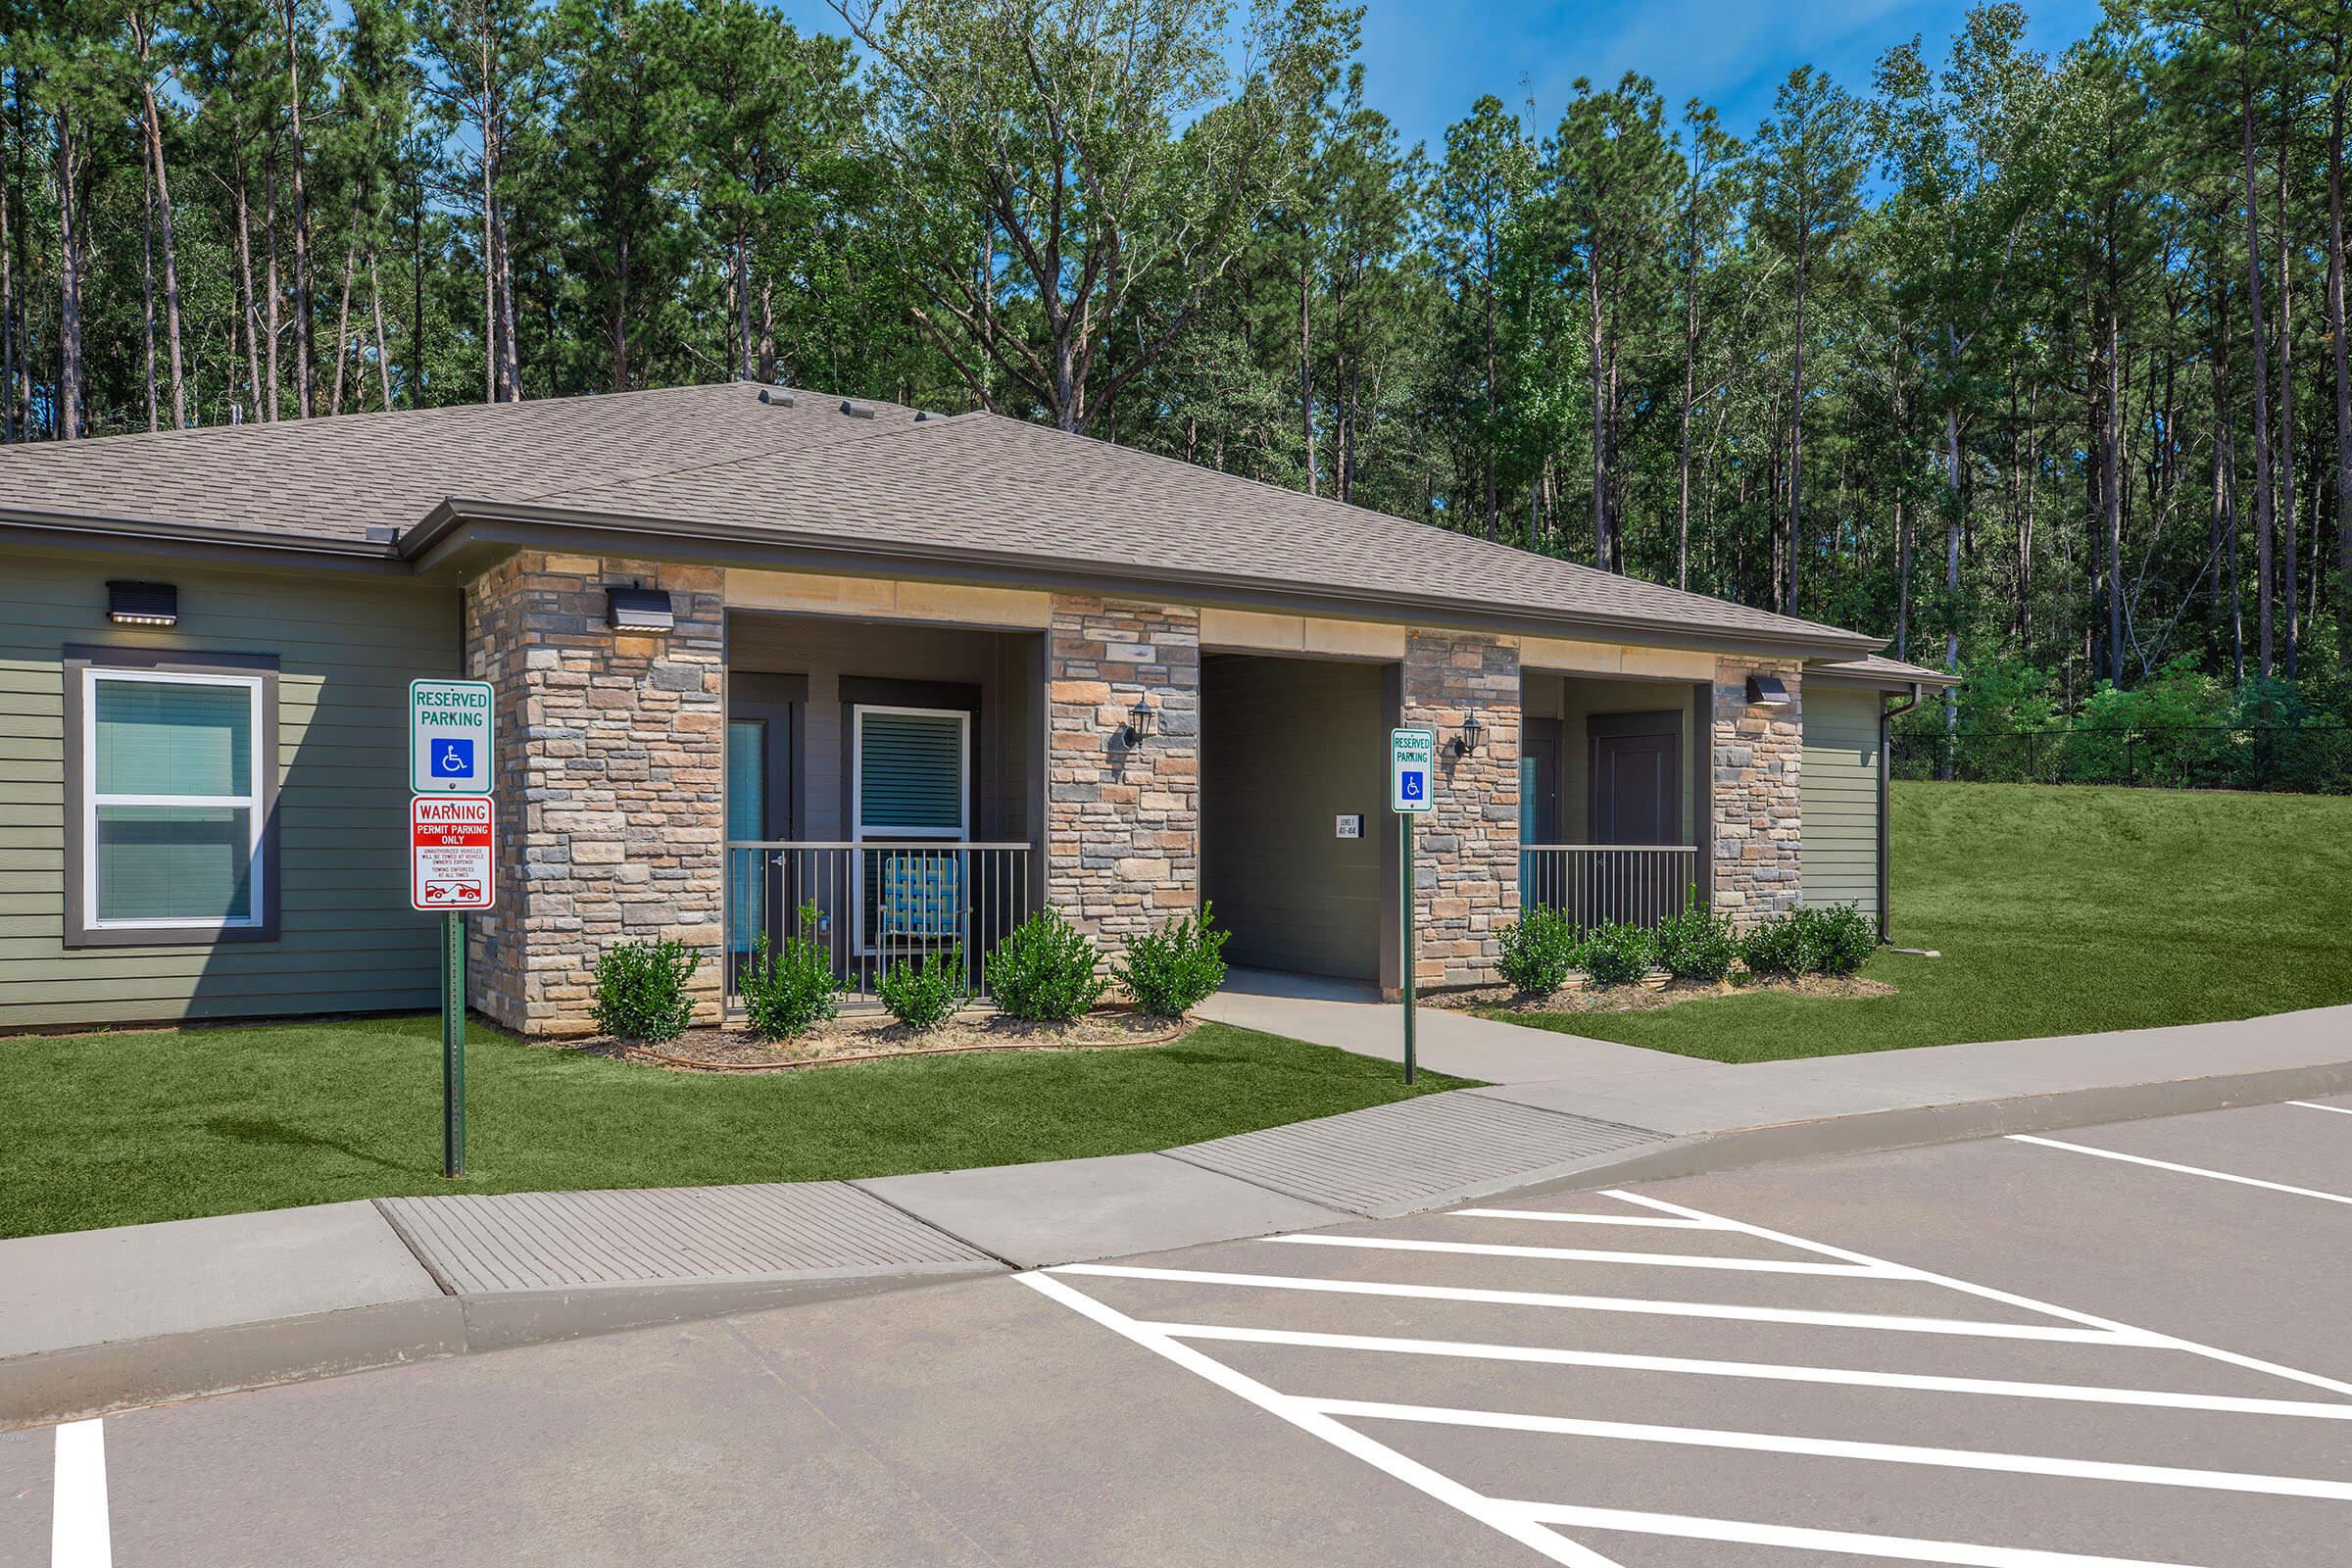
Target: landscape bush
1173,970
1775,946
1044,971
1538,948
1835,941
1619,952
925,992
641,991
789,988
1697,943
1839,938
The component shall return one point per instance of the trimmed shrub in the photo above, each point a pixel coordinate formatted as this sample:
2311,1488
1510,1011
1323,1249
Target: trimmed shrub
1776,946
1839,938
1173,970
790,987
926,992
1697,943
1044,971
641,991
1619,952
1538,948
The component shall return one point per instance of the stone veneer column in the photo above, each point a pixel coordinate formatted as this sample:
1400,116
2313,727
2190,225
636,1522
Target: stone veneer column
1466,850
612,752
1757,823
1122,826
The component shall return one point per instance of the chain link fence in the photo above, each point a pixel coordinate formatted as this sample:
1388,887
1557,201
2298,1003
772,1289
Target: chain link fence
2310,759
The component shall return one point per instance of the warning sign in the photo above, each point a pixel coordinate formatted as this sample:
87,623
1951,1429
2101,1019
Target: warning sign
452,842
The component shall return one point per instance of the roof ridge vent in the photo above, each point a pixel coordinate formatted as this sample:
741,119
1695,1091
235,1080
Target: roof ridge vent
857,410
782,399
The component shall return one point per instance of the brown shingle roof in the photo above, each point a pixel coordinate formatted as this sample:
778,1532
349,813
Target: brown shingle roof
1879,669
337,477
717,457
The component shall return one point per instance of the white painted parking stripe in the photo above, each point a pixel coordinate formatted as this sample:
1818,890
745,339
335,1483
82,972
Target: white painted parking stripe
1901,1549
1580,1254
1626,1304
2313,1105
1988,1293
1515,1523
78,1534
1558,1217
2034,1464
2184,1170
1766,1371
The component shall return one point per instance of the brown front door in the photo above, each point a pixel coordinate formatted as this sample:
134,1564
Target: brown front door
1637,788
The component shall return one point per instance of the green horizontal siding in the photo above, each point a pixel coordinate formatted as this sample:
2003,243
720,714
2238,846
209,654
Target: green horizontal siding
1840,797
347,649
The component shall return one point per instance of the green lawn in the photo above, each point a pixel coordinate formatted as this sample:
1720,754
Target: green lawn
2063,909
122,1128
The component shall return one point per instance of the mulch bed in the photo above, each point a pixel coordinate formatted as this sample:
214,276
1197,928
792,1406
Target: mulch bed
876,1036
1640,998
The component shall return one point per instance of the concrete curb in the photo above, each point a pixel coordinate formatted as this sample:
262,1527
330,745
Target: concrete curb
79,1381
68,1385
1915,1126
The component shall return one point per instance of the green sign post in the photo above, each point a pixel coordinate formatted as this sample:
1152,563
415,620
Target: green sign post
453,1044
1412,787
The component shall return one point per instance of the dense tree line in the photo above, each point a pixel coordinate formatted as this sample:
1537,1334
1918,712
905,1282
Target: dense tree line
2036,365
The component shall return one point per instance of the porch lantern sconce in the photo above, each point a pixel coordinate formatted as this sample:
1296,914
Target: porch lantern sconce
1142,722
143,604
640,609
1768,691
1473,731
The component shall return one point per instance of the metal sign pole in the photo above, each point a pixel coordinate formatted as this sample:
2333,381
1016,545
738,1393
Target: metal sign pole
453,1044
1404,921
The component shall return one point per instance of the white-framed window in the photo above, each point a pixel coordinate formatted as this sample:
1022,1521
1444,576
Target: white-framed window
911,782
172,776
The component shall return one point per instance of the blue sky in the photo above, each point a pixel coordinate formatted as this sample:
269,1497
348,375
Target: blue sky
1426,62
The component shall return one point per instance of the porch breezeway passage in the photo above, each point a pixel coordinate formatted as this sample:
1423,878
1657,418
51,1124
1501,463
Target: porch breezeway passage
868,905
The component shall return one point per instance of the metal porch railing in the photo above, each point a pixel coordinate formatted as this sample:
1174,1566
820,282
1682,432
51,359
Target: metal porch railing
873,902
1593,884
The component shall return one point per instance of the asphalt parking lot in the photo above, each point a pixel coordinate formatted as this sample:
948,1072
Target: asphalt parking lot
2116,1345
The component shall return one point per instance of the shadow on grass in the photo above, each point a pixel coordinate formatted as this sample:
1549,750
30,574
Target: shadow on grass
260,1132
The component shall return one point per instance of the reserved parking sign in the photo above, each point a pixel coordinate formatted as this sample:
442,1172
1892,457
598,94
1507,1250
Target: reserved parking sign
1412,765
450,730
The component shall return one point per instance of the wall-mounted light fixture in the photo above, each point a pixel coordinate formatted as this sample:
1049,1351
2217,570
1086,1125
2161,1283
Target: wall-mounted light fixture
1142,722
640,609
1473,732
143,604
1768,691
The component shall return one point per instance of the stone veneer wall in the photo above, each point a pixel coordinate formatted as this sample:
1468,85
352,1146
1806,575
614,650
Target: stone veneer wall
1466,850
1122,826
612,755
1756,825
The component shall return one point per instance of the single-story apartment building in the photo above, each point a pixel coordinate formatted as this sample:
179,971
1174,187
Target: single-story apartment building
756,650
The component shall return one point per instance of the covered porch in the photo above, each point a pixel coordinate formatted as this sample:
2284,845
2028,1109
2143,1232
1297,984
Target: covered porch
1613,795
883,790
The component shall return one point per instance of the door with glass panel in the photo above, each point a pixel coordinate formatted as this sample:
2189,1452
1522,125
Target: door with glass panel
759,802
910,795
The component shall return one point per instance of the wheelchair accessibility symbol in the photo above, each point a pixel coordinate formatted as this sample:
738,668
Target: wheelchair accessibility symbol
1412,784
453,759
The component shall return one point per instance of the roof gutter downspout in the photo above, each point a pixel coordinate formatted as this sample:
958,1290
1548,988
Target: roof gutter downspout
1886,717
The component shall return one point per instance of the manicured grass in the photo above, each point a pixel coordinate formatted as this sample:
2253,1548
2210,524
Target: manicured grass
123,1128
2063,909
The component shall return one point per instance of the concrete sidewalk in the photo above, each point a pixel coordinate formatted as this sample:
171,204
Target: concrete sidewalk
101,1320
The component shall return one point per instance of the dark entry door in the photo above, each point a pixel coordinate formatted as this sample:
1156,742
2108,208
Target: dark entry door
1637,788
